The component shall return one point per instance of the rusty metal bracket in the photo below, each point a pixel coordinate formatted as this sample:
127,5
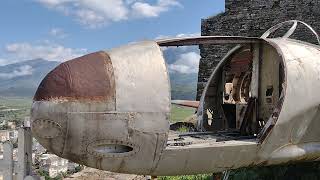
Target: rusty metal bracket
291,30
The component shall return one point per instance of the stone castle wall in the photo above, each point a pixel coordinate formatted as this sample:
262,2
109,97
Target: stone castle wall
252,18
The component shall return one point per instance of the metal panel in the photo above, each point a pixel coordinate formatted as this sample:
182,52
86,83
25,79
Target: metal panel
207,157
142,82
300,105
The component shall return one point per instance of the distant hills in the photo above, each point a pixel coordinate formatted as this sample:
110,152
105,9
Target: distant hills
183,86
22,79
22,84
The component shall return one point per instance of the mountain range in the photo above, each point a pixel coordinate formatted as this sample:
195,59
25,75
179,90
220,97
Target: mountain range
22,79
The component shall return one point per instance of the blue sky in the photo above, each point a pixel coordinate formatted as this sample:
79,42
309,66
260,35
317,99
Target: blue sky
63,29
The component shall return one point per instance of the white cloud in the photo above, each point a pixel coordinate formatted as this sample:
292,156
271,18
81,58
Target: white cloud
96,13
187,63
21,71
142,9
46,50
57,32
54,2
188,35
182,35
4,62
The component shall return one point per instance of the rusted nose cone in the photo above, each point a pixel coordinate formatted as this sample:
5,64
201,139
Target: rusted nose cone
76,85
86,78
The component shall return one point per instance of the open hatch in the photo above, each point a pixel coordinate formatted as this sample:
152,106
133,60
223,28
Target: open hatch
242,94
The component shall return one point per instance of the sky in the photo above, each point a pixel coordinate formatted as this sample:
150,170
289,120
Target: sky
59,30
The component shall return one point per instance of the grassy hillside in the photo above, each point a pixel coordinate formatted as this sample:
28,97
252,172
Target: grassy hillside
14,109
179,113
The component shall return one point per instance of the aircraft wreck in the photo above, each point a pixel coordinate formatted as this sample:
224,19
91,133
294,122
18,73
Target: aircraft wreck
110,109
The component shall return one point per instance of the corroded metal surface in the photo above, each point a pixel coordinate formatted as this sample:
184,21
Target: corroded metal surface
86,78
241,62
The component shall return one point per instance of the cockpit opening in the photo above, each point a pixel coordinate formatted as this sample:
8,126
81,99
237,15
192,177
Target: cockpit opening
244,92
244,95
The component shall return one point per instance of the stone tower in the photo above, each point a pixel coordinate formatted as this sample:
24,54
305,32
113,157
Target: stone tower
252,18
